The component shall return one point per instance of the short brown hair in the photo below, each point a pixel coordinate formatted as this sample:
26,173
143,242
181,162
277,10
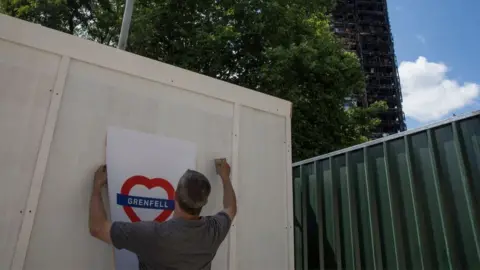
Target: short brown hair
192,192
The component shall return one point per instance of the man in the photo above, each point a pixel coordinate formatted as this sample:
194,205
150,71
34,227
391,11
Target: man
187,241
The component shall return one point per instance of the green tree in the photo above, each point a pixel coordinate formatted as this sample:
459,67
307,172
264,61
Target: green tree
67,16
98,20
283,48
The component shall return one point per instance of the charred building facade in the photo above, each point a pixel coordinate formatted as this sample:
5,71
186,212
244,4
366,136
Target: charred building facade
365,28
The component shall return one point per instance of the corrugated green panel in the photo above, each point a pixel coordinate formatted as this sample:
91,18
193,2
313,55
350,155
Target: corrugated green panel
342,232
470,136
409,201
405,214
313,217
322,247
330,221
359,190
425,176
381,193
392,159
298,222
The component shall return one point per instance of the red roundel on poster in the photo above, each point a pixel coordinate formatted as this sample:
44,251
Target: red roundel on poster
149,183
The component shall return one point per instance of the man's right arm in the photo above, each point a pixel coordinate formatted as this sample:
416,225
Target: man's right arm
223,220
229,198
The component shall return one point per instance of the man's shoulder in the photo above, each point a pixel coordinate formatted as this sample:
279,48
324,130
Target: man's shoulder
221,217
220,223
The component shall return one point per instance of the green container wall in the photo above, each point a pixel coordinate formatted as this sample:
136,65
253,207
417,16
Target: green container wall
408,201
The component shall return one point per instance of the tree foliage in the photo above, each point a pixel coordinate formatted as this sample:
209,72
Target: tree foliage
66,15
283,48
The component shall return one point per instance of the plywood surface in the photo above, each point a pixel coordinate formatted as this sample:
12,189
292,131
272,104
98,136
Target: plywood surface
26,78
90,104
262,219
103,56
107,87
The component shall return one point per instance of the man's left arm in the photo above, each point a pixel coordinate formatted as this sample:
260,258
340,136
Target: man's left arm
99,224
122,235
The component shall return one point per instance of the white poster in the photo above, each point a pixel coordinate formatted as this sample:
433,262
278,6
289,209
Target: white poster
143,172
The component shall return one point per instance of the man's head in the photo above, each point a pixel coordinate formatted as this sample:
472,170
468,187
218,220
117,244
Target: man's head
192,192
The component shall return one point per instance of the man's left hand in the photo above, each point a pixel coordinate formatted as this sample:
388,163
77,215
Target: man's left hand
100,178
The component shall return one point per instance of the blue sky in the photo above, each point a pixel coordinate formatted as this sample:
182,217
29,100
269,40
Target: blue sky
446,33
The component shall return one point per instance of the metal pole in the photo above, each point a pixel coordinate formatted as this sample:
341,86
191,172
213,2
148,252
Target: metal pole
127,18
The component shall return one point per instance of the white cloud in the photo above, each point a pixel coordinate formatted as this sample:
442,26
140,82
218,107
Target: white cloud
421,39
428,94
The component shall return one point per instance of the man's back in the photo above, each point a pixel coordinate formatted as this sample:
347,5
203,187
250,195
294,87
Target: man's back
175,244
186,242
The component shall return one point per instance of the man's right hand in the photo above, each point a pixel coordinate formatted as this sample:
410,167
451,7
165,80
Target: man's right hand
224,170
229,198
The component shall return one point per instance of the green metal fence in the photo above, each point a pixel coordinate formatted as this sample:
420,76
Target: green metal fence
407,201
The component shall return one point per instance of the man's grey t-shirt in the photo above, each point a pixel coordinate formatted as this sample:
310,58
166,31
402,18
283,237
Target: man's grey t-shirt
174,244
